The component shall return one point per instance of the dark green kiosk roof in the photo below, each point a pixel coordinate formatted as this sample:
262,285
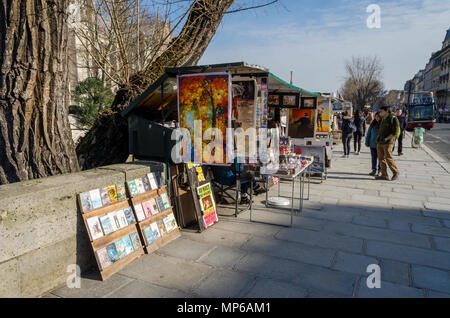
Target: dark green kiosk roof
163,92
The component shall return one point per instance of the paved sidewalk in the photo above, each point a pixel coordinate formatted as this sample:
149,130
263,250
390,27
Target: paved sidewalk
349,222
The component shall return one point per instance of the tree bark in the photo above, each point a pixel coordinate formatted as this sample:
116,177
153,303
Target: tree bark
107,141
35,136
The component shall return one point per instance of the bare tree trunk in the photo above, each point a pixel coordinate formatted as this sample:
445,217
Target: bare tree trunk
109,135
35,136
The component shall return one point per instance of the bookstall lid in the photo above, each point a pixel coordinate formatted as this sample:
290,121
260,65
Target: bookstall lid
162,94
277,85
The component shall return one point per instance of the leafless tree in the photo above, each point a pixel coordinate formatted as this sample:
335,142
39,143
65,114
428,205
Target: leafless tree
363,81
191,31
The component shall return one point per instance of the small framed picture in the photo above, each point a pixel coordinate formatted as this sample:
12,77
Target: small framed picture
308,102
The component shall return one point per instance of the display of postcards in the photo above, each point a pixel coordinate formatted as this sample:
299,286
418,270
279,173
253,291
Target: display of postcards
161,227
114,220
139,185
133,188
152,180
170,222
120,248
154,206
107,225
151,233
86,203
147,207
95,227
96,199
128,244
122,219
160,202
112,191
135,240
166,200
103,258
105,196
139,212
146,183
112,252
129,215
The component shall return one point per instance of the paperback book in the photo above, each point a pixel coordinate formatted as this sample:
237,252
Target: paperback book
132,187
139,212
112,252
135,240
105,196
106,224
94,227
86,203
129,215
112,191
160,202
146,184
166,201
120,248
152,180
122,219
96,199
103,258
121,193
159,179
161,227
154,206
170,222
146,206
140,186
128,244
114,220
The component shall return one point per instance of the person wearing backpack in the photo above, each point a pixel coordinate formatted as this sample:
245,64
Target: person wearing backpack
388,133
348,128
371,142
360,123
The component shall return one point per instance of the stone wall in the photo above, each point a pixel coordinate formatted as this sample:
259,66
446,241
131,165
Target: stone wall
42,232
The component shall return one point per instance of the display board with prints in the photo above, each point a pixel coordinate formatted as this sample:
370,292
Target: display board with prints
151,203
111,226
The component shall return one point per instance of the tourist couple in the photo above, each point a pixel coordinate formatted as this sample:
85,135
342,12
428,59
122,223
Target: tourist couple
384,130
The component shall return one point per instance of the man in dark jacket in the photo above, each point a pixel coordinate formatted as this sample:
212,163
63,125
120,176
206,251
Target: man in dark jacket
388,132
403,121
360,123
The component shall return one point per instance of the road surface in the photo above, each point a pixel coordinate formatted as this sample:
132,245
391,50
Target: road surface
438,139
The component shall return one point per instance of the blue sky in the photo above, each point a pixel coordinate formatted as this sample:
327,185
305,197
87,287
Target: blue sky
314,38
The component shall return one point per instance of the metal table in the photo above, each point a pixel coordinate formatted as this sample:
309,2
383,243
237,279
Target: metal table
301,175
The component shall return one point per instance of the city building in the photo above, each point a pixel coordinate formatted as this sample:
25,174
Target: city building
435,76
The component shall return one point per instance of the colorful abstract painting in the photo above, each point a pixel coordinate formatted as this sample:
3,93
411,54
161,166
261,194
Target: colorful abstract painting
301,123
204,102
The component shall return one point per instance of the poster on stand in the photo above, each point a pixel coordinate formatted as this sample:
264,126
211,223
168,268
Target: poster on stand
204,102
207,204
244,99
301,123
323,116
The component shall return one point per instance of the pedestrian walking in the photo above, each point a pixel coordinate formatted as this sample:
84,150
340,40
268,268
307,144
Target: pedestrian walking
360,123
371,142
388,132
403,121
348,128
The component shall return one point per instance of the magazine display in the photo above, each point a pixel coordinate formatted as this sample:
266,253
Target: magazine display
98,198
147,183
118,249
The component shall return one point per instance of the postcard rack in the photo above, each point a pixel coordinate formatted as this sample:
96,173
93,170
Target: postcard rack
102,242
164,238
